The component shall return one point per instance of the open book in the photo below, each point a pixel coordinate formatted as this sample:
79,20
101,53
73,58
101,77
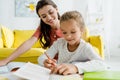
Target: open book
32,71
11,67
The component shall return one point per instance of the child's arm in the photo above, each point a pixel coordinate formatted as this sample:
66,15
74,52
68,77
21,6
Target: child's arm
90,66
43,59
94,62
87,60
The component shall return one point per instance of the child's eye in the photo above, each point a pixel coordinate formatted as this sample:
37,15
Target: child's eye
64,32
73,32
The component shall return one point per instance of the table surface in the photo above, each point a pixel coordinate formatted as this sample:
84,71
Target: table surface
103,75
10,76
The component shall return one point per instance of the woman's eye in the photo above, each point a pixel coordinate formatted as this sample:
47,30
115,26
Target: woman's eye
51,12
43,16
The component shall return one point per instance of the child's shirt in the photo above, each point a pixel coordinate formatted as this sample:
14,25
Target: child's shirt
84,57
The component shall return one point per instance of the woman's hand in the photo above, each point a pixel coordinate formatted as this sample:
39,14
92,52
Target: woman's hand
3,62
50,63
64,69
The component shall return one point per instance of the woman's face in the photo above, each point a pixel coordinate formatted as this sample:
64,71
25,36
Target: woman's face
49,15
71,32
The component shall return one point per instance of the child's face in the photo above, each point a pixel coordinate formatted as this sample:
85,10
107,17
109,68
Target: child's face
71,32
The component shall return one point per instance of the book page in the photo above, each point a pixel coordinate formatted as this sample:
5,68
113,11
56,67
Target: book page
33,72
3,69
13,65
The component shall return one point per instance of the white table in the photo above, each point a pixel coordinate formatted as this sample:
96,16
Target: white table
11,76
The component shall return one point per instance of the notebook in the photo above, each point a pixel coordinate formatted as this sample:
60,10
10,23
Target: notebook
32,71
103,75
11,67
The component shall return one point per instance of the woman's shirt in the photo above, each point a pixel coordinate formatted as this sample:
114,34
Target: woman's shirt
84,57
55,34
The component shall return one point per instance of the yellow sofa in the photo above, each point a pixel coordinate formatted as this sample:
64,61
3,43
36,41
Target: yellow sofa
10,40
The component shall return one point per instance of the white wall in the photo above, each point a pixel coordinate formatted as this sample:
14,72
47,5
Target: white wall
115,29
64,5
7,14
7,17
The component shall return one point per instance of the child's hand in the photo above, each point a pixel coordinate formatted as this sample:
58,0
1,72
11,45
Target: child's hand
50,63
65,69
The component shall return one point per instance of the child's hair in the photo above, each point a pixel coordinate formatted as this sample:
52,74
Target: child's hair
74,15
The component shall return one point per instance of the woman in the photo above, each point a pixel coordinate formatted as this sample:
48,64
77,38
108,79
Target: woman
48,28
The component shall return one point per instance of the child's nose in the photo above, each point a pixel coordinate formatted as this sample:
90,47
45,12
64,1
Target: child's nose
69,36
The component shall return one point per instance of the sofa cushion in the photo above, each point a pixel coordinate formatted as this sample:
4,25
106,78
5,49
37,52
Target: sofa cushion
29,56
1,43
97,42
22,35
7,36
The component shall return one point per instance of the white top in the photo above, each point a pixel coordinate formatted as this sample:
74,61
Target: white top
84,57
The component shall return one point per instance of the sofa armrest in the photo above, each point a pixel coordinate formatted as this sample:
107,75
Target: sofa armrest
97,42
29,56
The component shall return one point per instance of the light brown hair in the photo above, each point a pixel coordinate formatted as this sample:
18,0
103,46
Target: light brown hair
74,15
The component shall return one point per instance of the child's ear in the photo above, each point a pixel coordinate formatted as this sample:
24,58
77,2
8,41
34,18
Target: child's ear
82,30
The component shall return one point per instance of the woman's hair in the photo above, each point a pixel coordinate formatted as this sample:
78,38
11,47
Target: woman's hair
45,29
74,15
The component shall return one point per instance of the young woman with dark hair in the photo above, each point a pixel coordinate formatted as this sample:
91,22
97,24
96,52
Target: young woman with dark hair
48,29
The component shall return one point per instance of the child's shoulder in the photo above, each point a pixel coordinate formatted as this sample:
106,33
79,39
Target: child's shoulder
83,42
61,41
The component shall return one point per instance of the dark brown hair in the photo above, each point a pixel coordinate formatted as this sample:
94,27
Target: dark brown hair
45,29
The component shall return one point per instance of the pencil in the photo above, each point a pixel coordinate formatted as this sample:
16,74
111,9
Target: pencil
50,59
47,56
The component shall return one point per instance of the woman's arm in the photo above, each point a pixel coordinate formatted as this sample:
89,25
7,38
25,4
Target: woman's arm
20,50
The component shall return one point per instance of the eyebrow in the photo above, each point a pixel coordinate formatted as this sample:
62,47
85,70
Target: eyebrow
47,12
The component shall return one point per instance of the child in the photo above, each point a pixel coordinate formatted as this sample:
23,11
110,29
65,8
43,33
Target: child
74,54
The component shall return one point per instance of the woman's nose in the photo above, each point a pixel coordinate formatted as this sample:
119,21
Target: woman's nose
48,17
